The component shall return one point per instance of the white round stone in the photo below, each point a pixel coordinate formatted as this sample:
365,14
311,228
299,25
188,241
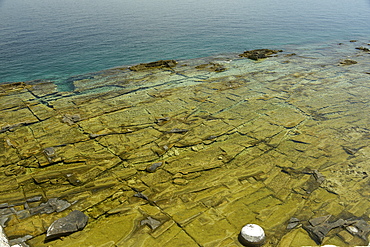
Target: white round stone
252,234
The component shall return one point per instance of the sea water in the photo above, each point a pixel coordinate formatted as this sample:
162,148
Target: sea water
53,40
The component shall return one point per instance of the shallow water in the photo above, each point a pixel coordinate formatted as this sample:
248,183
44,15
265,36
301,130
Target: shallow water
57,39
185,156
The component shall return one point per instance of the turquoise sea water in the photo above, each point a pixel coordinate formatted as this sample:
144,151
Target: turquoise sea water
48,39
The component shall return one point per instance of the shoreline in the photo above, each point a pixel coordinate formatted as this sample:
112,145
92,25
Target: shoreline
287,46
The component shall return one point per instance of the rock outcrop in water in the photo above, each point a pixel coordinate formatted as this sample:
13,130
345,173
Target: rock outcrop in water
259,53
154,65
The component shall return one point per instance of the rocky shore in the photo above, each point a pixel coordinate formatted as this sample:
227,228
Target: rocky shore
185,153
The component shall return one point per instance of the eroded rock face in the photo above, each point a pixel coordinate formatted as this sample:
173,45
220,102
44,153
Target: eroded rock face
73,222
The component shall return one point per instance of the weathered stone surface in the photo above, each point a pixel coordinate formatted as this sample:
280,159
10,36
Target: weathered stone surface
73,222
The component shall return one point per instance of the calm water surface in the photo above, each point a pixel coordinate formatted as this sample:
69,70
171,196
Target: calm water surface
48,39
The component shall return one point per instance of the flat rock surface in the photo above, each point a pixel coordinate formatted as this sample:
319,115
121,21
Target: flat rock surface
187,154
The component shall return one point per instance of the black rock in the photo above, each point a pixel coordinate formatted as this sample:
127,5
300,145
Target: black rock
153,65
365,49
258,53
73,222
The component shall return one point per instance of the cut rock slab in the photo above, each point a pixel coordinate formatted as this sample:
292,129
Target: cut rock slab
73,222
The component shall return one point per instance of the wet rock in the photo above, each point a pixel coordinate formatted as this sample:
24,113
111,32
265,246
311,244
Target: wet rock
258,53
50,153
6,87
319,220
71,119
154,65
365,49
318,176
349,150
154,167
43,88
358,228
52,205
151,222
21,242
141,195
162,120
292,223
14,170
320,227
10,127
212,67
347,62
75,221
177,131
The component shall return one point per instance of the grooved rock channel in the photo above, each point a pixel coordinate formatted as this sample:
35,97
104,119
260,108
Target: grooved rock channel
186,153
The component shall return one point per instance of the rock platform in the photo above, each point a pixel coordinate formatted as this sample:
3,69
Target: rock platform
189,153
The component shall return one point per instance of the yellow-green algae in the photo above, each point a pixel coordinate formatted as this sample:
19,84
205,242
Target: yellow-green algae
239,145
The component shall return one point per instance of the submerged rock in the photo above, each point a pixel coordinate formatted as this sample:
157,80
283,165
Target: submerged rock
151,222
73,222
50,154
154,167
292,223
51,206
319,227
259,53
365,49
212,67
358,228
153,65
71,119
347,62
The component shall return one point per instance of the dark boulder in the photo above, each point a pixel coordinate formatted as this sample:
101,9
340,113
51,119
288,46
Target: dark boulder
154,65
259,53
73,222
